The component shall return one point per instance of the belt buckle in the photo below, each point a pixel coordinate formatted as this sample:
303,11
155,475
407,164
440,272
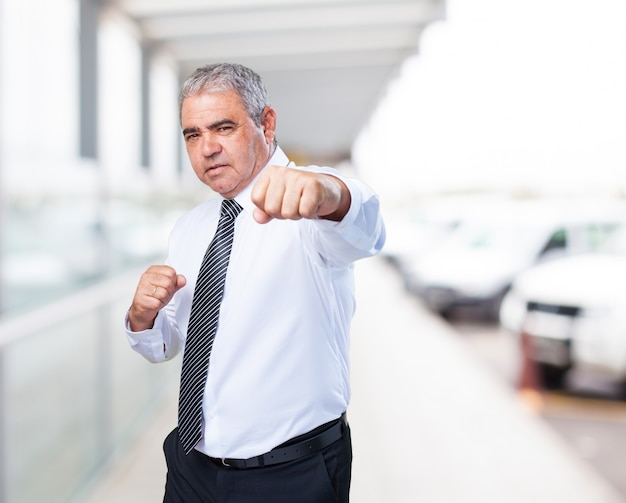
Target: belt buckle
225,463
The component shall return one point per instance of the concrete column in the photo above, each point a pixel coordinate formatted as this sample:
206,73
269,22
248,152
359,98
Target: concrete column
88,71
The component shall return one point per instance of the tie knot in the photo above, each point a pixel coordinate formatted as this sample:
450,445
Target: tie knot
231,208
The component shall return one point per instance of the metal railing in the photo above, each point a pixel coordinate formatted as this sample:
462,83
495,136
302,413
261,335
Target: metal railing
72,393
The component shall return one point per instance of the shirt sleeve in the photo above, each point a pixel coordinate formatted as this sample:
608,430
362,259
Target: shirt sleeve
157,344
360,234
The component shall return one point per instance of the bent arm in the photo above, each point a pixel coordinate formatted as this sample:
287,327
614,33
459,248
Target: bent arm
149,329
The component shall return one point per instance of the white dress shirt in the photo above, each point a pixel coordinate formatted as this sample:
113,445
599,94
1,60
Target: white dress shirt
279,365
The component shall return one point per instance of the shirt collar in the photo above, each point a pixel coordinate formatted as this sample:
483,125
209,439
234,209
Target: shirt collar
279,158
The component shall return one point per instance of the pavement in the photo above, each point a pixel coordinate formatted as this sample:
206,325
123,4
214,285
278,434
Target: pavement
430,423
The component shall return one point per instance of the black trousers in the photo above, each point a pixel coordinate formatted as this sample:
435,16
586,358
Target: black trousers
322,477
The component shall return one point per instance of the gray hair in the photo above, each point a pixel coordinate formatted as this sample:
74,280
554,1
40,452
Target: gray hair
226,77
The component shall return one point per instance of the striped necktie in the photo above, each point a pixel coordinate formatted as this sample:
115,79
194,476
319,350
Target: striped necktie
205,309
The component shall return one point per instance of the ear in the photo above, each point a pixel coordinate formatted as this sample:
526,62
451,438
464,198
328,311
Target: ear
268,124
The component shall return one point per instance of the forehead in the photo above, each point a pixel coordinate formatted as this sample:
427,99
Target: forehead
212,104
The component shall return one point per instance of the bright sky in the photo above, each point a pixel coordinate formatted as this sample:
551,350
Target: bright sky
506,93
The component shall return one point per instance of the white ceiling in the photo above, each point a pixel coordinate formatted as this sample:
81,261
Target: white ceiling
325,63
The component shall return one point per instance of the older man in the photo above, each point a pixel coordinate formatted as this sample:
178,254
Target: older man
258,292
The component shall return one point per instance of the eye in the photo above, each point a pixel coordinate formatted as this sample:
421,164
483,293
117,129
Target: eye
224,129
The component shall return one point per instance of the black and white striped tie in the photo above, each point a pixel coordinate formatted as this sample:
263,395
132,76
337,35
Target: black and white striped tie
205,309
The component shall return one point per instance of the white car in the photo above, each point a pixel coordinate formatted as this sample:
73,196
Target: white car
477,263
413,231
574,312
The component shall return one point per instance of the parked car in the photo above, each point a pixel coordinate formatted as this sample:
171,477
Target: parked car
477,263
412,236
415,228
574,313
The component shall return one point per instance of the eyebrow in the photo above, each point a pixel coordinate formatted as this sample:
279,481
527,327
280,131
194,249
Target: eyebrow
188,130
212,126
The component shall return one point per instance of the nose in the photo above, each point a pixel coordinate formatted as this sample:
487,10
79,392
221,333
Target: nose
210,145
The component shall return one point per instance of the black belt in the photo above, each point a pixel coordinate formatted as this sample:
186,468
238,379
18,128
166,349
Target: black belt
292,451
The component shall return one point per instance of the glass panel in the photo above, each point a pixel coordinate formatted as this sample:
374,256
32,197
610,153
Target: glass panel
76,392
52,428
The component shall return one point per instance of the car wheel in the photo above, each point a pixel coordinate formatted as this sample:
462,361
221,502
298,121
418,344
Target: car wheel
552,378
622,389
491,309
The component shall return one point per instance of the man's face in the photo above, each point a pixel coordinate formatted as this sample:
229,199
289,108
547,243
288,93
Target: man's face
225,147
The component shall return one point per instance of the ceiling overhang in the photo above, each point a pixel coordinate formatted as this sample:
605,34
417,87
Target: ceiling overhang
325,63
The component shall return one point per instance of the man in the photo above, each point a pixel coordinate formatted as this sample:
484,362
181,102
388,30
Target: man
273,374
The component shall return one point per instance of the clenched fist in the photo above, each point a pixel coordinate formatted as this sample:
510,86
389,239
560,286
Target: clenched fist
156,288
292,194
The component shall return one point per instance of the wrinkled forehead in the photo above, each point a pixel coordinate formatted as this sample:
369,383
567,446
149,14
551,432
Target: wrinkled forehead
220,102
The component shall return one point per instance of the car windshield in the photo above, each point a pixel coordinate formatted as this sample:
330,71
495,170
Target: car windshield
493,236
616,243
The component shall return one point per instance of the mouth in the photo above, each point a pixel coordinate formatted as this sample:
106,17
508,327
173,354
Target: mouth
215,167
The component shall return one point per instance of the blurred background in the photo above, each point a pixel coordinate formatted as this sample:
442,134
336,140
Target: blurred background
493,131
